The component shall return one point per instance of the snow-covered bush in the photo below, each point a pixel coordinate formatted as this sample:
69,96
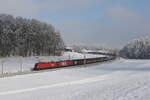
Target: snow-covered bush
28,37
137,49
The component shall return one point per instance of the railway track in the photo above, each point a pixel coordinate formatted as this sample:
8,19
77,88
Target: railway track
10,74
73,62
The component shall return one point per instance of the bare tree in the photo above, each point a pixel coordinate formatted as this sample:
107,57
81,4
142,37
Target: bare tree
25,37
137,49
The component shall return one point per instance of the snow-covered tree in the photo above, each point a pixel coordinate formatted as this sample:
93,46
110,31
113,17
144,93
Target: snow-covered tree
137,49
25,37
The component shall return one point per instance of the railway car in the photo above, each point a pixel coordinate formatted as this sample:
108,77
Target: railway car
88,61
64,63
78,61
69,62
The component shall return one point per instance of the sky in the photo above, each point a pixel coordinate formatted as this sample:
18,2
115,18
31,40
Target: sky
89,22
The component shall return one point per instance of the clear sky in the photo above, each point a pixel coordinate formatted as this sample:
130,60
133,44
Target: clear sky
112,22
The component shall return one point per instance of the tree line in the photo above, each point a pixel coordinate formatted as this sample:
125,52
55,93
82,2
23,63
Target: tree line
28,37
137,49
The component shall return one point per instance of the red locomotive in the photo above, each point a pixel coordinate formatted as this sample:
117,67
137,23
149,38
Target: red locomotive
47,65
44,65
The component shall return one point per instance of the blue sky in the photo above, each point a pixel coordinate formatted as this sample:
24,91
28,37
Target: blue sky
94,22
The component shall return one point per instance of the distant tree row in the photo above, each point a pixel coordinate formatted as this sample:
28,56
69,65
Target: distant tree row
95,48
137,49
28,37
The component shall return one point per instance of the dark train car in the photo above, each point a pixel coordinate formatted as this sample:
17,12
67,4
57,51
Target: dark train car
93,60
78,61
105,58
88,61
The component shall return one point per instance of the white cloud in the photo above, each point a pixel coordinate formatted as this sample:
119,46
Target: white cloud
61,5
126,15
121,13
120,25
34,7
19,7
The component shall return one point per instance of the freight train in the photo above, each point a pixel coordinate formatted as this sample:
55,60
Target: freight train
66,63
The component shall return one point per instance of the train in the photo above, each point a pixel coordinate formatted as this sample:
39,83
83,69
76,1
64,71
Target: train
67,63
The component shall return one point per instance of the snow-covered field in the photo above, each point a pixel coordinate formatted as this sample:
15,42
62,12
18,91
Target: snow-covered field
117,80
14,64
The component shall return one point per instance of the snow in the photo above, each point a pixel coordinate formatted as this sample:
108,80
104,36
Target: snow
15,64
117,80
75,55
98,51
